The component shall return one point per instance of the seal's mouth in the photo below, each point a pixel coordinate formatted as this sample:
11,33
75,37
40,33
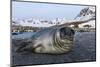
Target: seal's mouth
66,33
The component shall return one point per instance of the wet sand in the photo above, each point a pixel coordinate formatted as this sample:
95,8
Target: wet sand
84,50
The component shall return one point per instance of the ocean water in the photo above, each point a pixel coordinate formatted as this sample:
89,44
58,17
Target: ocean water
23,35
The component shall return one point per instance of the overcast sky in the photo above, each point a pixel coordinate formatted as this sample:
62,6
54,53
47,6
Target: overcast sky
24,10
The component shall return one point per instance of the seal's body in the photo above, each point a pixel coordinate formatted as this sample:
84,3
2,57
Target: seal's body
54,40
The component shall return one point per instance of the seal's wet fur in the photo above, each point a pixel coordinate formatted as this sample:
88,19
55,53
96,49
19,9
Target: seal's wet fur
48,41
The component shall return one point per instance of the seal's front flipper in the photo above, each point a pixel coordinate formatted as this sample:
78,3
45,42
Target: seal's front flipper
24,46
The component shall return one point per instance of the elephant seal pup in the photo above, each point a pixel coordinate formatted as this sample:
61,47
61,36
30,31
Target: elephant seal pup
53,40
56,40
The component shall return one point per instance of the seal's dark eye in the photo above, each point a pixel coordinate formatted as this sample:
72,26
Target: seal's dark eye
63,32
72,31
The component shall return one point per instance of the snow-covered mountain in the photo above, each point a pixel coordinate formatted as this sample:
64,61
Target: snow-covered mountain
34,22
84,14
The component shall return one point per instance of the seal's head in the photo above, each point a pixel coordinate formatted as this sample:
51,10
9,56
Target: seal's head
63,39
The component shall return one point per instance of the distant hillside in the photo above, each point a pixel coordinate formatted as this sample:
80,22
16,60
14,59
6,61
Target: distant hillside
84,14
